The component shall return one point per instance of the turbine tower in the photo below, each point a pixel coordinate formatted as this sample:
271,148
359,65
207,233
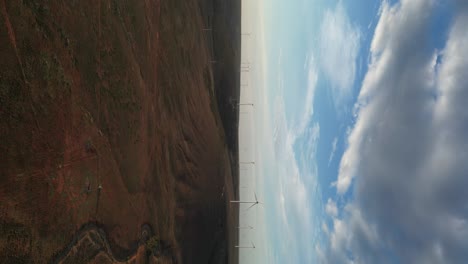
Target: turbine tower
245,66
252,247
245,227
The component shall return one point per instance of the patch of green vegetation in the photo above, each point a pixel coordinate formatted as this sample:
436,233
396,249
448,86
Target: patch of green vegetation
41,13
48,71
153,245
16,239
117,11
121,94
12,257
63,36
87,117
10,231
181,45
12,100
51,188
53,74
118,93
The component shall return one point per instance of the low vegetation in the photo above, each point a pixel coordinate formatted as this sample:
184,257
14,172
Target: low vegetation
153,245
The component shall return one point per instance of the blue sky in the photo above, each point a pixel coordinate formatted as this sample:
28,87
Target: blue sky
358,131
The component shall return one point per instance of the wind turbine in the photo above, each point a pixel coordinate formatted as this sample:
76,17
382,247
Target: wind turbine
247,162
245,66
256,202
246,104
236,102
244,227
253,203
252,247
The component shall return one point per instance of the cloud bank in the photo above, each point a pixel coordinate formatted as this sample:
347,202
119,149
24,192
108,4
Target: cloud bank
406,156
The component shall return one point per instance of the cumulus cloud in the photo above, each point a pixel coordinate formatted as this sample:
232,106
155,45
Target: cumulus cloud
407,151
339,47
343,236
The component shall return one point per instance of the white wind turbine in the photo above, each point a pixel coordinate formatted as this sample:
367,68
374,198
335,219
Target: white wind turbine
252,203
245,227
252,247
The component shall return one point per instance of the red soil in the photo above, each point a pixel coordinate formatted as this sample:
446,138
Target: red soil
117,96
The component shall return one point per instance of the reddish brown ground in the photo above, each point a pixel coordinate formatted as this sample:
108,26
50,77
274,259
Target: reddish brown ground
113,93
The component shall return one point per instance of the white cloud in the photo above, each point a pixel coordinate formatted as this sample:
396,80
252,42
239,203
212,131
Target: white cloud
339,47
320,254
312,78
325,228
407,151
333,149
346,231
307,100
331,208
384,65
339,237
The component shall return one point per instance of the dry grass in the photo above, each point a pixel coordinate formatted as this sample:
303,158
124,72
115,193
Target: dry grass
111,93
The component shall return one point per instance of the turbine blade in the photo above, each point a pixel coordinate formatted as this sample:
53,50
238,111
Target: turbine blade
250,207
256,197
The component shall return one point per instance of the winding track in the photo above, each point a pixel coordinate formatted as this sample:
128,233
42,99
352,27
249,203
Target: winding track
91,242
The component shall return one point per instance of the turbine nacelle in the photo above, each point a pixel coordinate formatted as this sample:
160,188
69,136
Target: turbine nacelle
254,203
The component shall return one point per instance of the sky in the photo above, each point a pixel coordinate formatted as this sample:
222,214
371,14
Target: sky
359,131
